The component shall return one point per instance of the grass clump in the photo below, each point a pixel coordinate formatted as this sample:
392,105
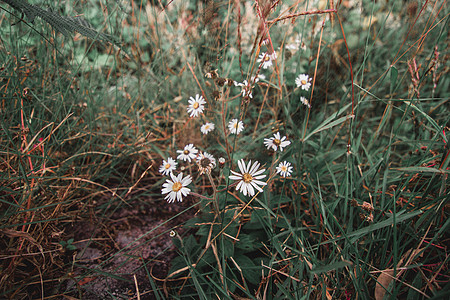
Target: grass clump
303,150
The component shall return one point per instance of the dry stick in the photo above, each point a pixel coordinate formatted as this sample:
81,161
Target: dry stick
208,244
215,198
137,182
282,273
137,287
24,142
97,184
214,248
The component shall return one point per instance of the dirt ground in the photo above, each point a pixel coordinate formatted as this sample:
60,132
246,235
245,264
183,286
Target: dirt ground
112,253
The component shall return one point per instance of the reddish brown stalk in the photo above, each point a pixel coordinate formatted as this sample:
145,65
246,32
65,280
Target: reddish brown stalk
238,5
170,2
409,31
265,34
227,146
304,13
349,62
406,51
31,186
260,110
447,147
314,78
196,79
351,75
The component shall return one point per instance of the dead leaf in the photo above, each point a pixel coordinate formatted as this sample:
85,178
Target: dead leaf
383,282
387,275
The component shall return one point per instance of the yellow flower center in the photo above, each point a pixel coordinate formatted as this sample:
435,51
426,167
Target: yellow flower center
196,105
267,58
277,142
247,178
235,125
185,152
283,168
303,82
167,166
176,186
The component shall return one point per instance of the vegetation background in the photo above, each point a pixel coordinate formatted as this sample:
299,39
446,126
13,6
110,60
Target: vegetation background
86,123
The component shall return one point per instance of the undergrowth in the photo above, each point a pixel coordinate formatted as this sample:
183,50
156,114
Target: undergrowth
227,150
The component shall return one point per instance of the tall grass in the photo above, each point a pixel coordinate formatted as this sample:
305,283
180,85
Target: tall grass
86,127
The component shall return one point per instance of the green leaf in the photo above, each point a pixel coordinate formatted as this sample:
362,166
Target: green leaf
246,242
190,245
394,74
251,272
228,248
176,264
421,169
328,123
330,267
355,235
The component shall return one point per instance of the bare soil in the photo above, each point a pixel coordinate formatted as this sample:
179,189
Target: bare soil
116,254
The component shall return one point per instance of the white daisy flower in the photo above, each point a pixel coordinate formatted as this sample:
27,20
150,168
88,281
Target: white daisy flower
235,126
303,81
265,59
207,127
205,162
189,152
168,166
249,178
284,169
273,56
176,188
196,106
246,88
276,142
254,79
305,101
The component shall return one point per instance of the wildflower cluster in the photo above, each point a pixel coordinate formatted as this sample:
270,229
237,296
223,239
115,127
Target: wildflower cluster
176,187
250,175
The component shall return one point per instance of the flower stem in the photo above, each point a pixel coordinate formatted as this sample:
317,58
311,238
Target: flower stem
215,199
